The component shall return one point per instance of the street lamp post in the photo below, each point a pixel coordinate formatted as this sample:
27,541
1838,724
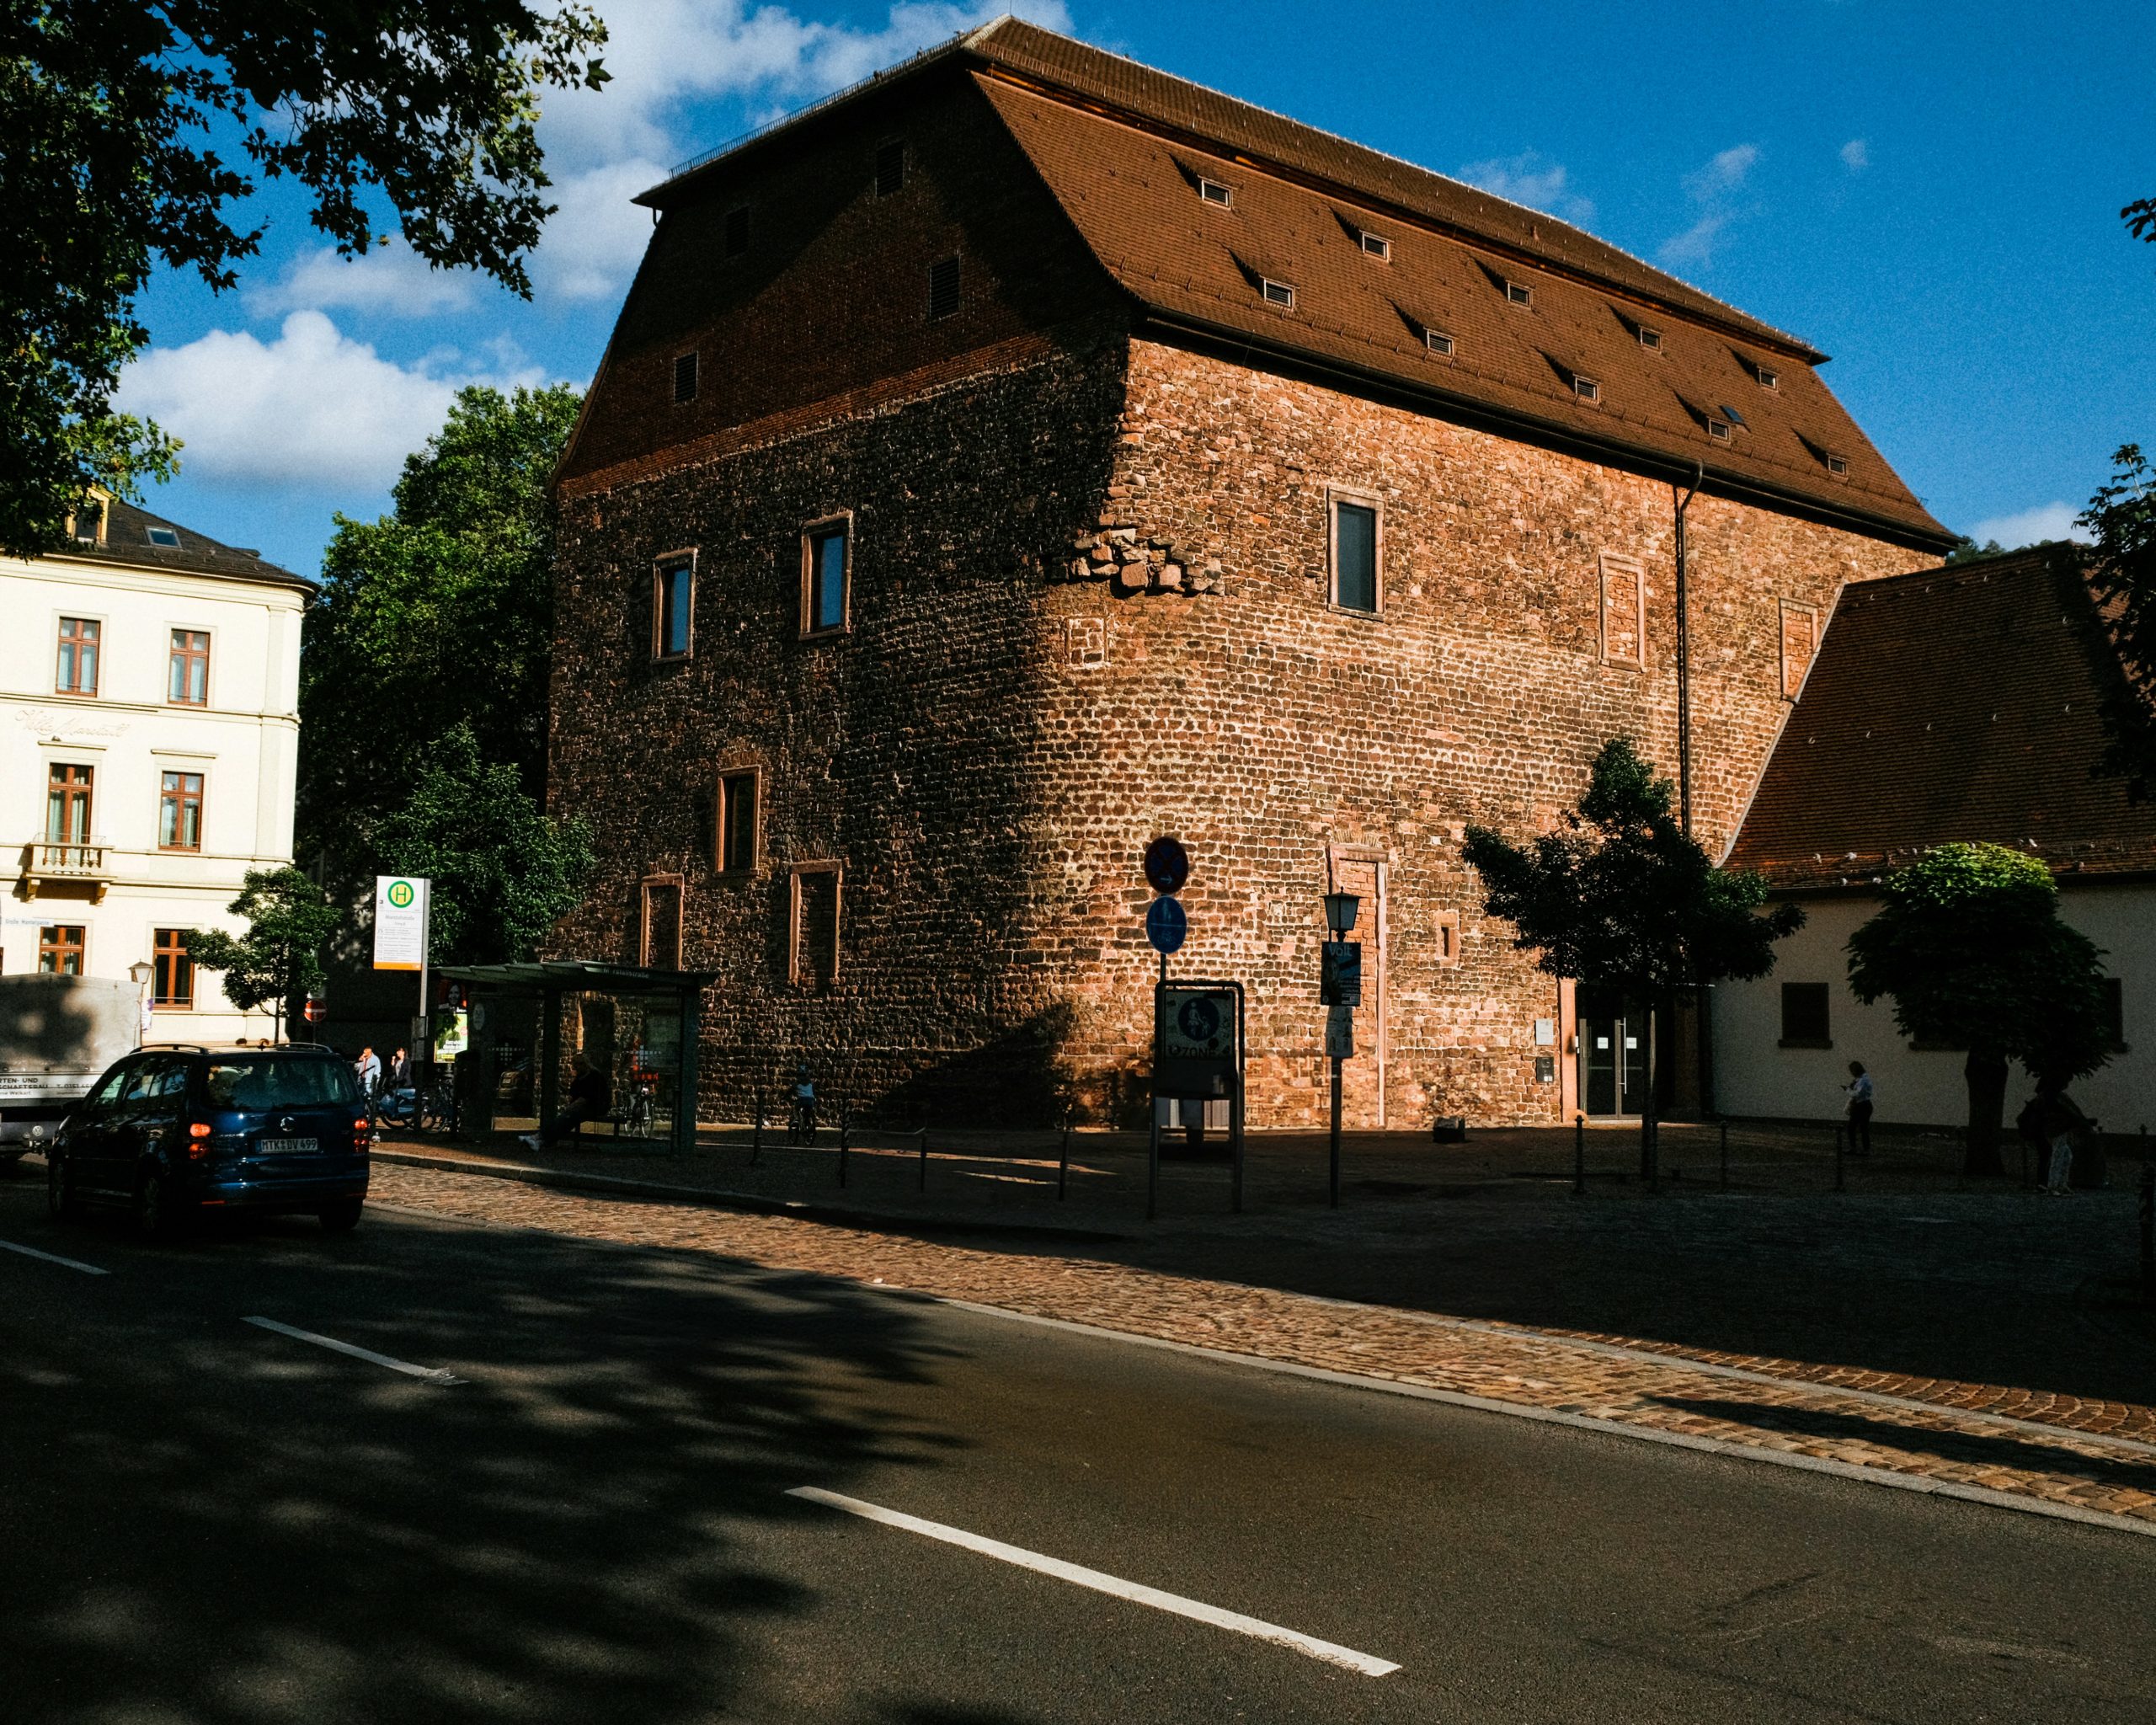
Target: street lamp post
1340,995
141,970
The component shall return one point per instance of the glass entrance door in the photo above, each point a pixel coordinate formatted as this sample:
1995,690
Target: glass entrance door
1613,1051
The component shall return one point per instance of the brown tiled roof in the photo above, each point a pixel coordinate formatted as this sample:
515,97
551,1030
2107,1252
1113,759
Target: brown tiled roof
127,541
1122,146
1954,704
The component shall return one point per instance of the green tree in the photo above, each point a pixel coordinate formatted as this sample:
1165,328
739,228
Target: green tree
114,112
289,924
502,871
1622,897
1969,945
2122,519
438,614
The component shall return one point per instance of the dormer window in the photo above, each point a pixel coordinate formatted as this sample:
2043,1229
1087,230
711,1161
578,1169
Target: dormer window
1651,339
1586,388
1519,293
1277,293
1839,465
1717,428
88,525
1213,192
1375,245
1438,342
1768,376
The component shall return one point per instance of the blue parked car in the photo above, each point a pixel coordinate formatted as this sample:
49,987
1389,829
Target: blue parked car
173,1134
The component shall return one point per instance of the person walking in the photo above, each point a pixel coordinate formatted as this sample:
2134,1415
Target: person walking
367,1069
2059,1124
1858,1090
802,1128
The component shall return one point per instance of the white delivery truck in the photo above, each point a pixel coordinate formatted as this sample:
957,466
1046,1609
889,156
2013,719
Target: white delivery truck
57,1034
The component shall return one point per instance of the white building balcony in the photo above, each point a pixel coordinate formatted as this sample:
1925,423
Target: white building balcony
69,862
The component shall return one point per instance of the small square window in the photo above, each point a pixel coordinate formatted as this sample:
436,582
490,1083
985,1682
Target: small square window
890,169
163,536
684,378
739,794
1438,342
1805,1022
1375,245
943,286
826,579
737,231
60,948
673,607
1355,556
1651,339
1586,388
1717,428
1519,293
1215,193
1837,465
1768,376
1277,293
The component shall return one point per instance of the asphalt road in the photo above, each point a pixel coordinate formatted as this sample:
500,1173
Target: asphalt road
202,1519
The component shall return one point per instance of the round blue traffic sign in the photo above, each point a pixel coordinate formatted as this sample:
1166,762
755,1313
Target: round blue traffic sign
1165,924
1167,866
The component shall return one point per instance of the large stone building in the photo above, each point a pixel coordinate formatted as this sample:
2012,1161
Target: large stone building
149,681
1027,453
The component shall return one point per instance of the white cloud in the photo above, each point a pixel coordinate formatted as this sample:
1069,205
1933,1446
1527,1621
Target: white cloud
1531,178
595,238
393,280
1856,154
662,52
1711,188
310,407
2031,526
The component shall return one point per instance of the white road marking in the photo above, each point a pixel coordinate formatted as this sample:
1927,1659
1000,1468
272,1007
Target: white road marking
73,1264
429,1373
1331,1652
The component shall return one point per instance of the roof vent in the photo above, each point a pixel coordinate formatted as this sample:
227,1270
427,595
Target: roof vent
1438,342
684,377
737,231
1651,339
1215,193
942,288
162,536
1519,293
1375,245
1277,293
890,167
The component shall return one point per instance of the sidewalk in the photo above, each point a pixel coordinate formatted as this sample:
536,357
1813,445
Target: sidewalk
1962,1340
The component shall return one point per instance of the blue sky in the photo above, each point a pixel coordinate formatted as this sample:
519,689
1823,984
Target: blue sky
1927,191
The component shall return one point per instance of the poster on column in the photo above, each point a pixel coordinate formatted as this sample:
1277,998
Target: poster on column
400,922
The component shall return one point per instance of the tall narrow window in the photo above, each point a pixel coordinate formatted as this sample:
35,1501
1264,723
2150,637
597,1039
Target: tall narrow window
173,969
943,296
825,577
2114,1002
1623,611
673,607
1354,556
179,812
1805,1022
189,683
815,947
77,673
60,949
736,821
890,169
684,377
662,922
67,805
737,231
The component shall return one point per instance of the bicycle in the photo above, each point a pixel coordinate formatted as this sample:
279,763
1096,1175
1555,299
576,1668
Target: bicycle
637,1118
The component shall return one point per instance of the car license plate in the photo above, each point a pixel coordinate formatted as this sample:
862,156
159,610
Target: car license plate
289,1146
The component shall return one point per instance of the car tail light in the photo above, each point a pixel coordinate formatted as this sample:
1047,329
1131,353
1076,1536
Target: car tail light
198,1140
200,1129
361,1125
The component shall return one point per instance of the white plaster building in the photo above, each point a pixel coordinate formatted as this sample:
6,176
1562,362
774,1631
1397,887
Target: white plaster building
1955,704
149,731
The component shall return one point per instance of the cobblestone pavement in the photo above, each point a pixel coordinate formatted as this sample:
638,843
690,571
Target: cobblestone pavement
2073,1457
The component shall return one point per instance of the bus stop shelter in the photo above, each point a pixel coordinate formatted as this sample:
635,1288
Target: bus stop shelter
547,980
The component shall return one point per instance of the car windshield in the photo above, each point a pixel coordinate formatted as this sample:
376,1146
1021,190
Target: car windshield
275,1082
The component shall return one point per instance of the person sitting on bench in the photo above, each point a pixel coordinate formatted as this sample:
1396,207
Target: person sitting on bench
590,1097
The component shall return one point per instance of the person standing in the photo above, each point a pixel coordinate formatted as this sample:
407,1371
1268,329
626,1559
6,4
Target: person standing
2059,1123
367,1069
1858,1090
399,1076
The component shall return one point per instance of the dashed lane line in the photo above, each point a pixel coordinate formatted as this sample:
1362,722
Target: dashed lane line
1330,1651
73,1264
430,1374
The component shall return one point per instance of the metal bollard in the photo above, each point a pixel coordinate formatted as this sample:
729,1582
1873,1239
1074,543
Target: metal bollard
1725,1156
846,1135
1838,1160
1579,1155
924,1158
1063,1166
2147,1227
756,1144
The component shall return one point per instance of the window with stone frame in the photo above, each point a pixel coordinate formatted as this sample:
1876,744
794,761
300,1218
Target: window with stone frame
173,973
69,788
179,811
814,902
1800,642
76,672
187,682
1356,530
59,947
1805,1020
1624,611
661,941
674,606
827,576
740,811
